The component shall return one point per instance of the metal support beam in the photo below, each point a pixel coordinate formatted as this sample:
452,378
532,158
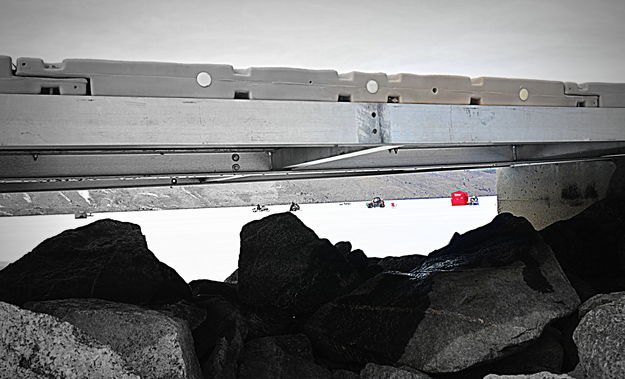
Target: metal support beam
50,164
77,142
32,121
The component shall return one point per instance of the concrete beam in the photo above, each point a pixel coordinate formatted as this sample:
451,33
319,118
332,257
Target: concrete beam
545,194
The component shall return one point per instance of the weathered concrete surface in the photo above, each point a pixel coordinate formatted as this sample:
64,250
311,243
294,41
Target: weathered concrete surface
34,345
545,194
600,339
151,343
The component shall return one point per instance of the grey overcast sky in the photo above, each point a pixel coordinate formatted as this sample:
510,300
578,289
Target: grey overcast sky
566,40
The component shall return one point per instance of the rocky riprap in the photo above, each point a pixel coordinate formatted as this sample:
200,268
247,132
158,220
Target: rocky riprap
107,259
495,302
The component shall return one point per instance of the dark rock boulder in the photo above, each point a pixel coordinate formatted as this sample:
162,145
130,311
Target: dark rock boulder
543,354
373,371
406,263
151,343
183,310
106,259
34,345
219,339
591,247
280,357
537,375
599,339
204,287
470,302
566,326
345,247
284,268
358,259
344,374
233,278
597,301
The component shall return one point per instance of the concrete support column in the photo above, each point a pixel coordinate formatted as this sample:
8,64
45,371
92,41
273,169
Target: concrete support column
548,193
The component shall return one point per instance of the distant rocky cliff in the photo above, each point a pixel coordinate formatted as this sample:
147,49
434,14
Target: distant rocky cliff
423,185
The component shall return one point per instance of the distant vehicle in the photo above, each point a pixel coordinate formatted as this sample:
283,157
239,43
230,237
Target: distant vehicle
376,203
82,214
260,208
294,207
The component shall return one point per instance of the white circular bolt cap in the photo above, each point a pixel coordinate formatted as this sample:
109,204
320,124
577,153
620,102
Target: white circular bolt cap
372,86
524,94
204,79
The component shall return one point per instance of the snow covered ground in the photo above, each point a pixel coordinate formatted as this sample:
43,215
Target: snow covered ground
204,243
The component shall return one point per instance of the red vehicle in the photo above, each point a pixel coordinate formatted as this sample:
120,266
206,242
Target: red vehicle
459,198
376,203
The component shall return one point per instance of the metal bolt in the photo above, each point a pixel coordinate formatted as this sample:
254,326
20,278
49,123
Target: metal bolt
235,167
204,79
174,181
524,94
372,86
235,157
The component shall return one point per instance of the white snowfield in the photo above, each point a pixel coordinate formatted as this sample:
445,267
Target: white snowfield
204,243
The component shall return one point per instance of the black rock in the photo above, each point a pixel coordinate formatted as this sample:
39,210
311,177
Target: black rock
233,278
566,326
543,354
345,247
344,374
599,338
358,259
151,343
597,301
406,263
219,339
285,269
183,310
493,288
205,287
280,357
373,371
591,247
106,259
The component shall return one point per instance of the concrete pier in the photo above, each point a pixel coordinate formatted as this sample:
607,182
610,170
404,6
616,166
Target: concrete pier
548,193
